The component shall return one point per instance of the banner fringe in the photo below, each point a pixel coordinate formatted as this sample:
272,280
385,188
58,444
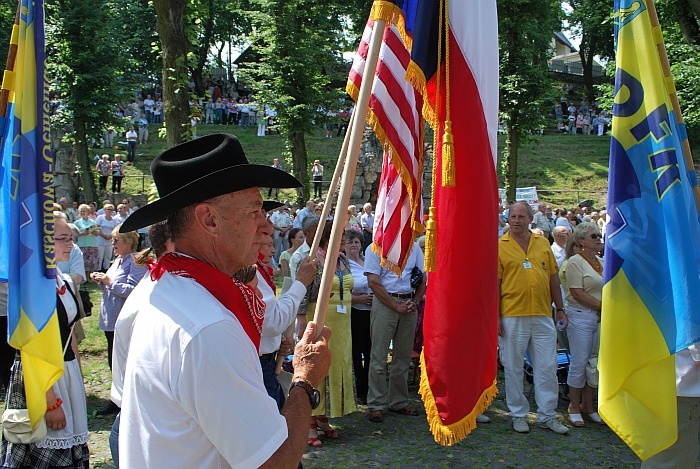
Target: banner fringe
392,14
416,77
448,435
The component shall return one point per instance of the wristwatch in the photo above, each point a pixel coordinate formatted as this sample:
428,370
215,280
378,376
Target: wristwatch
314,395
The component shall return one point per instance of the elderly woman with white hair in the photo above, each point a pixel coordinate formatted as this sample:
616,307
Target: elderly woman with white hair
584,277
116,285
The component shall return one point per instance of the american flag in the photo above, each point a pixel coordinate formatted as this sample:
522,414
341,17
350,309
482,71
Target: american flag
395,115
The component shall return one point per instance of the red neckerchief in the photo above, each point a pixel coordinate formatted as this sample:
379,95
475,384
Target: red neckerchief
267,273
240,300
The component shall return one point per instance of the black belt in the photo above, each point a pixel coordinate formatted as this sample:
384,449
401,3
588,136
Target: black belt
268,356
402,296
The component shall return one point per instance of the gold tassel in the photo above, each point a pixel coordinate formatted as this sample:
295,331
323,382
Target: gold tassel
430,244
448,156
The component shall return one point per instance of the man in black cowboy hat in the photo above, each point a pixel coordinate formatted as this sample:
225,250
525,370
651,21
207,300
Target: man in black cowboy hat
192,393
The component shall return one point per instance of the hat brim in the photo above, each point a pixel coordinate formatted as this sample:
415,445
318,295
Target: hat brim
271,205
227,180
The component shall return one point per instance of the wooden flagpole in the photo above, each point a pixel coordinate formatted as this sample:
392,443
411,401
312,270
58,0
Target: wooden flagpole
8,76
356,131
322,222
671,87
342,157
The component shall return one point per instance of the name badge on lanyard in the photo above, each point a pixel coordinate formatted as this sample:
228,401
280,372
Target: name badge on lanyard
341,307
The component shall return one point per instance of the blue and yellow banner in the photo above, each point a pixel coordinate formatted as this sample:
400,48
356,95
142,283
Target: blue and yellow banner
651,288
27,260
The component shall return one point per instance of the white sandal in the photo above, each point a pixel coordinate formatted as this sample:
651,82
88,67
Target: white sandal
594,417
576,420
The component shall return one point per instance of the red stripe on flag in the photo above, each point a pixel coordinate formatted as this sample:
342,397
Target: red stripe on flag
395,116
468,390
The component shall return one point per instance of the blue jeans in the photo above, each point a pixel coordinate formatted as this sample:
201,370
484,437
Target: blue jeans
273,387
114,440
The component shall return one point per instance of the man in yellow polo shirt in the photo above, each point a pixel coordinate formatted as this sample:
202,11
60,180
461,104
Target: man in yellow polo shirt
528,283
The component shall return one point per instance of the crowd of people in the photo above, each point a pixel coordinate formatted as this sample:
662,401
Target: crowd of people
103,247
582,119
199,340
222,104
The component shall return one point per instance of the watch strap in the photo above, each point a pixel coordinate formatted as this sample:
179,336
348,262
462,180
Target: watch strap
310,390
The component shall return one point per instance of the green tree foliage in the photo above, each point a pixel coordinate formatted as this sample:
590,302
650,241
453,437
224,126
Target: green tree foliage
8,9
82,42
213,24
592,20
299,45
525,36
358,12
138,40
684,57
686,13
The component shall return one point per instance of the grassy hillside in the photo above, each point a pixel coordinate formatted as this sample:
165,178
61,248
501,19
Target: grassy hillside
564,168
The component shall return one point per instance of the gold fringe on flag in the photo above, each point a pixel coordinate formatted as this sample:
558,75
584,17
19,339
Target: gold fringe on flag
392,14
416,77
448,435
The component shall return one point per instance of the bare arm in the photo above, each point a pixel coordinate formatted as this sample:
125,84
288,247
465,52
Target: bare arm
420,291
284,265
379,291
584,299
383,296
500,322
364,299
311,363
555,292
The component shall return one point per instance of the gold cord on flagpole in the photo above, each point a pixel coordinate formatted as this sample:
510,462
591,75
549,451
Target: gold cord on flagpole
448,151
431,224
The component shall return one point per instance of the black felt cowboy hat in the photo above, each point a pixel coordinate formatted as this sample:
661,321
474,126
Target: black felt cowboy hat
199,170
271,205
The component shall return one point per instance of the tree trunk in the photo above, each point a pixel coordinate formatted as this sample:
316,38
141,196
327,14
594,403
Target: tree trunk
87,178
198,79
203,51
511,164
587,66
298,144
687,12
171,31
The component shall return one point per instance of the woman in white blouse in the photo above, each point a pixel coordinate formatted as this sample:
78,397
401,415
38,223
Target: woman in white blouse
584,277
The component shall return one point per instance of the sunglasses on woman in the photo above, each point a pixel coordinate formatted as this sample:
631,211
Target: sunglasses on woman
596,236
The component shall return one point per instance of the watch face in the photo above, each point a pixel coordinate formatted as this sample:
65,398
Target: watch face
314,395
315,398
